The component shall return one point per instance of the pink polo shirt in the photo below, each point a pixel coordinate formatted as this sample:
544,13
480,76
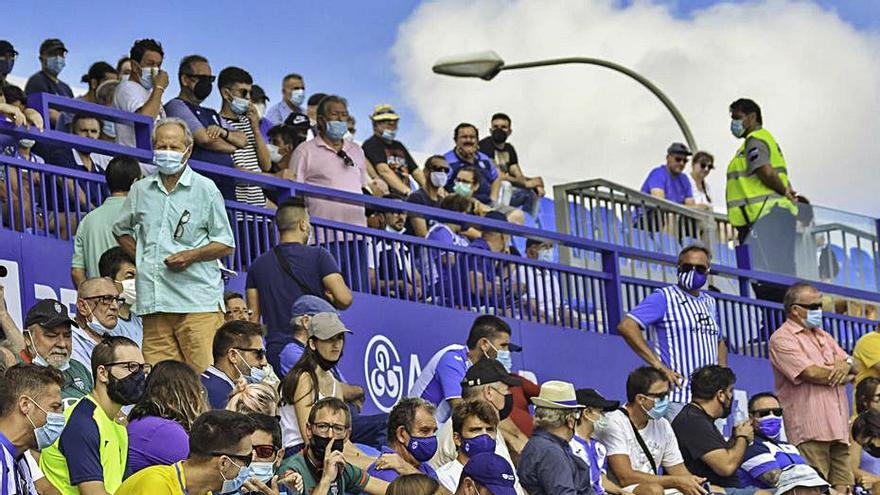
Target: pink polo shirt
315,162
812,412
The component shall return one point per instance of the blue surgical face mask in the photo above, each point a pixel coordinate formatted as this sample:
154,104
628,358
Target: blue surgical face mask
770,426
235,484
439,179
478,445
298,96
814,318
422,448
659,409
263,471
504,357
737,128
147,77
55,64
108,127
336,129
238,105
169,162
49,432
388,135
545,255
462,189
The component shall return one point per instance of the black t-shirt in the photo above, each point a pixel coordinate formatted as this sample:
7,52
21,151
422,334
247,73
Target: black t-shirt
394,154
503,158
697,435
420,197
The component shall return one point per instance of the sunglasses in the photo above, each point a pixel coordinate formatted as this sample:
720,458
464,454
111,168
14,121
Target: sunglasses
345,158
762,413
811,307
265,451
202,77
709,166
660,396
701,269
680,159
259,353
244,460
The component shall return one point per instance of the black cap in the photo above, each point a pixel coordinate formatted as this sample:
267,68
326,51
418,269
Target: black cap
298,121
48,313
678,149
258,94
51,44
6,48
591,398
488,371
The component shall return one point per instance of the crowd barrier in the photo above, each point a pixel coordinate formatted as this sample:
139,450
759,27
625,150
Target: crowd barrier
588,298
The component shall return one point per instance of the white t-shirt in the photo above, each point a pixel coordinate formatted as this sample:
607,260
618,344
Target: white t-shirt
129,97
618,438
700,197
449,474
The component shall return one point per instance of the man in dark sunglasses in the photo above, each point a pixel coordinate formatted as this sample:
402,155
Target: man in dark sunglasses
667,181
811,371
238,353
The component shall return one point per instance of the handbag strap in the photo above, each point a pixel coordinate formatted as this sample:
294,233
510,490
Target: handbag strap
285,266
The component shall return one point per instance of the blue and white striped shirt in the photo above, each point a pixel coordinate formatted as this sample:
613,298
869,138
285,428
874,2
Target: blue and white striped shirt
685,332
763,456
15,475
440,379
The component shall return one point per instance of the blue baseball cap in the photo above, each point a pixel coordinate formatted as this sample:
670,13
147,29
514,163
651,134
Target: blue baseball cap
311,305
492,471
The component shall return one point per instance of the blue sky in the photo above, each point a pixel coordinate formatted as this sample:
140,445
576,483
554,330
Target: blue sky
344,49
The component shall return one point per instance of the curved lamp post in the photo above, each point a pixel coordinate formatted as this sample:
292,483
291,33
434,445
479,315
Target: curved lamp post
486,65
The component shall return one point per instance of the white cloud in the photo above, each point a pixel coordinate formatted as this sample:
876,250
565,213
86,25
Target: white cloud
815,77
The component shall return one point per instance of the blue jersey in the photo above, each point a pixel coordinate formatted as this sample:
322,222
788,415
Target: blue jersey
440,380
766,455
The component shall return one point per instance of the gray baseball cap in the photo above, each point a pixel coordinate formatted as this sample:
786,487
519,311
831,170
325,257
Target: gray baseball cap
325,326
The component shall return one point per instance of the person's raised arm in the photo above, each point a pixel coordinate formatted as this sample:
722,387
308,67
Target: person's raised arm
13,334
263,156
253,302
725,462
153,106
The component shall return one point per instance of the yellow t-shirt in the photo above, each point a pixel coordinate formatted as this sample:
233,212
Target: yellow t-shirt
155,480
866,355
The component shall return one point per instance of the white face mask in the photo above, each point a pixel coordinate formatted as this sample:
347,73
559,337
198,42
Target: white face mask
129,291
274,153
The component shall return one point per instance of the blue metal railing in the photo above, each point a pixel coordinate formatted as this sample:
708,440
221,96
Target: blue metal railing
577,297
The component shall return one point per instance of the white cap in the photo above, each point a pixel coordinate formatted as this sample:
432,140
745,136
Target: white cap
798,475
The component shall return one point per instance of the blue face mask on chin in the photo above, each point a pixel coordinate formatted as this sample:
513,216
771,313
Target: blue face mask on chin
235,484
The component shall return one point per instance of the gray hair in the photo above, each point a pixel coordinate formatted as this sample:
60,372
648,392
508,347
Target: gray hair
547,417
793,294
188,137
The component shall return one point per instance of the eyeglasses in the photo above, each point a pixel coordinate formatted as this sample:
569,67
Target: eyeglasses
345,158
761,413
132,366
265,451
657,396
686,267
811,307
324,428
705,166
184,219
259,353
245,460
240,312
107,300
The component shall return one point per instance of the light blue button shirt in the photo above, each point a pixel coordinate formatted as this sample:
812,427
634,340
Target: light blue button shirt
151,215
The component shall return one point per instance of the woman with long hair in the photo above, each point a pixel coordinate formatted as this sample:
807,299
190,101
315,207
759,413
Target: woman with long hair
865,467
158,426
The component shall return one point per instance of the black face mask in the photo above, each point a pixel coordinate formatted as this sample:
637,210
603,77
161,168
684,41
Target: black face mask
499,136
508,406
325,363
128,390
203,88
318,447
872,449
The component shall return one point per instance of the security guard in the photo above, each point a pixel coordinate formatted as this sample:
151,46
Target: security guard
760,201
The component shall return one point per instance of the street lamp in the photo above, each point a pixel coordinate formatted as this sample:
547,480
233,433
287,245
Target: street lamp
486,65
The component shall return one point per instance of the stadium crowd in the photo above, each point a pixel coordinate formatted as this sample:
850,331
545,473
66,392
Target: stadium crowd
164,384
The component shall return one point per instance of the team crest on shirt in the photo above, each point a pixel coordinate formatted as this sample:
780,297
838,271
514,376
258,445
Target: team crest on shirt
78,383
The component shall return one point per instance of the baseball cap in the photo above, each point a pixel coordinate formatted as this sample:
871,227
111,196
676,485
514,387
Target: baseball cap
52,44
325,326
258,94
311,305
589,397
492,471
797,475
384,112
48,313
488,371
298,121
6,47
678,149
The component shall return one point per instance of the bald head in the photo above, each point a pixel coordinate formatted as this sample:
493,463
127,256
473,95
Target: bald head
97,286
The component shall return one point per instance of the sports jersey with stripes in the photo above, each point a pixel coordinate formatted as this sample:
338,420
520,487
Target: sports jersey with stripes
765,455
15,475
440,379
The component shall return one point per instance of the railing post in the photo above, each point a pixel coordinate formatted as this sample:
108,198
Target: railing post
876,253
613,290
744,262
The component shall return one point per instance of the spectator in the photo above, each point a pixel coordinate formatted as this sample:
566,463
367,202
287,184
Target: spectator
53,56
440,381
640,440
118,266
142,92
810,370
486,183
159,425
220,455
123,68
684,321
94,236
214,140
312,108
542,286
88,127
768,455
520,413
104,95
238,354
259,100
526,190
590,450
259,398
390,157
289,271
300,123
49,342
236,308
487,473
866,356
412,441
801,480
349,135
99,73
97,312
11,337
91,453
702,164
866,431
667,181
414,484
436,173
547,464
268,454
865,467
283,140
241,115
29,395
12,104
705,451
179,285
293,95
448,266
322,464
475,431
301,315
8,55
390,263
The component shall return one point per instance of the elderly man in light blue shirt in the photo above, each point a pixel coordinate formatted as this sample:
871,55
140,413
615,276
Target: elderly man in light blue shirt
175,224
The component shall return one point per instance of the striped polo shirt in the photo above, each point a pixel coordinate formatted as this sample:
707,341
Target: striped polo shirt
246,159
15,475
684,331
766,455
